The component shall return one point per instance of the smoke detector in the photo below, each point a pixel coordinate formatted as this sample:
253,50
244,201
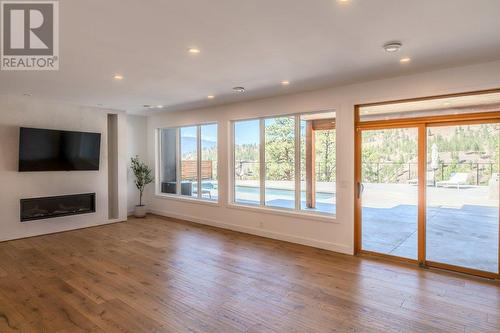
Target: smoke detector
392,47
239,89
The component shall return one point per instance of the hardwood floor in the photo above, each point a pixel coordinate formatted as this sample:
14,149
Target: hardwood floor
159,275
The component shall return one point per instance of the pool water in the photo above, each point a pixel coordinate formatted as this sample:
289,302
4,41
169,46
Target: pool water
283,198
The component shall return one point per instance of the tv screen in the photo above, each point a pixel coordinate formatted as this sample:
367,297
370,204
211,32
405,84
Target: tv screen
52,150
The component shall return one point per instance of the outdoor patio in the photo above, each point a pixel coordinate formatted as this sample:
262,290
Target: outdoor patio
462,224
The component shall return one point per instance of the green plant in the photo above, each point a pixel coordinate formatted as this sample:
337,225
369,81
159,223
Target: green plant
143,175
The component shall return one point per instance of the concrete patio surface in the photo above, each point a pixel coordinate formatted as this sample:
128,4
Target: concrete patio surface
462,224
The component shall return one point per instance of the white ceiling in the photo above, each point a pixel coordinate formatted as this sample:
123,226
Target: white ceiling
255,44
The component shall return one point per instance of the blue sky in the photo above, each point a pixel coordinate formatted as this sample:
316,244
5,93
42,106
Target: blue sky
246,132
208,132
188,137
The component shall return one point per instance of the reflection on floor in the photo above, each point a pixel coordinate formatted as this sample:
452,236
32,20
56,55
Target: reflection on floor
160,275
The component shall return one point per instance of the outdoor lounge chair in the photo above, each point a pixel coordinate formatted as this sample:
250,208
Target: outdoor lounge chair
206,189
456,179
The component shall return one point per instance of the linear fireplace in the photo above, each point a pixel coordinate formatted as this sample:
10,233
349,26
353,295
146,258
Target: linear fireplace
64,205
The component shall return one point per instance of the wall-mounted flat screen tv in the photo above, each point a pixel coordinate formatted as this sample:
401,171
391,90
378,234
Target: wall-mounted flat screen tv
53,150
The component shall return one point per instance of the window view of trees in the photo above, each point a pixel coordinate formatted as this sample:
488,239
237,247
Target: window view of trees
280,162
389,156
324,161
279,150
469,149
462,196
326,156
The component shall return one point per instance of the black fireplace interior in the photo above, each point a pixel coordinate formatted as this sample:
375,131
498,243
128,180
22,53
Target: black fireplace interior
48,207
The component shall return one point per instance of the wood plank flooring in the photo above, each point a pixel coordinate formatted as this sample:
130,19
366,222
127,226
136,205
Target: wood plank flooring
160,275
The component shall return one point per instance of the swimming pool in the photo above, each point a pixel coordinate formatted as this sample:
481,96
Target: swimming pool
284,198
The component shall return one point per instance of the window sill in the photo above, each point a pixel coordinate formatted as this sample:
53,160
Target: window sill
325,218
213,203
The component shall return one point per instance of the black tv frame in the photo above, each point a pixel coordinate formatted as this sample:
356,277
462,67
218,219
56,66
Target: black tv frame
24,169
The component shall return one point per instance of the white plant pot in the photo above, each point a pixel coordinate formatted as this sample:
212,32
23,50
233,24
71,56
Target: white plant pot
140,211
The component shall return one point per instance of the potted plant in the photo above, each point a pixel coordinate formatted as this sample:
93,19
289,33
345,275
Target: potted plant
143,177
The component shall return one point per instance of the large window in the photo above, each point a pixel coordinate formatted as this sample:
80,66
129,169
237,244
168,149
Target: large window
280,162
188,161
318,162
286,162
247,162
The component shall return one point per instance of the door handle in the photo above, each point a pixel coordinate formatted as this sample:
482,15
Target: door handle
361,188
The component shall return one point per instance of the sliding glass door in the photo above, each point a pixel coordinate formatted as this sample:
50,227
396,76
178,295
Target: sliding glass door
462,196
428,192
389,190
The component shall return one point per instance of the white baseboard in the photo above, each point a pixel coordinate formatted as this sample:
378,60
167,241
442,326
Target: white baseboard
7,238
340,248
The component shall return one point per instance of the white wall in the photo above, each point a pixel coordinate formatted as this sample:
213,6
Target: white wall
18,112
136,136
337,235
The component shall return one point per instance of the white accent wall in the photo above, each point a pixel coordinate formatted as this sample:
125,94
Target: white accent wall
16,112
337,235
136,137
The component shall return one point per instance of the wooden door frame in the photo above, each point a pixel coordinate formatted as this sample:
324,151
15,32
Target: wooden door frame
358,202
421,123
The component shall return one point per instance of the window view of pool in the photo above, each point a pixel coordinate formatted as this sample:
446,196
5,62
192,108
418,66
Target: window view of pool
279,159
284,198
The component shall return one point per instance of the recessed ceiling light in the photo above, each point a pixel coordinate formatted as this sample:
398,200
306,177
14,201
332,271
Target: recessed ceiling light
194,50
159,106
343,1
210,96
285,83
118,77
405,60
393,46
239,89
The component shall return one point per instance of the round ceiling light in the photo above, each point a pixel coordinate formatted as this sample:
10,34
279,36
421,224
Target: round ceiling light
194,50
210,96
392,47
239,89
285,83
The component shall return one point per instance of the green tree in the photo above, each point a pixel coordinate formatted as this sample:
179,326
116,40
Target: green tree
280,149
